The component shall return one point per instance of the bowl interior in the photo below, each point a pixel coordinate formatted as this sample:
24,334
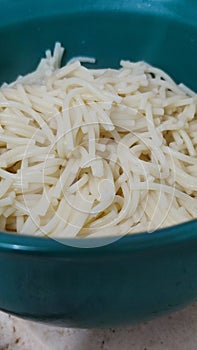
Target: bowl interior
162,36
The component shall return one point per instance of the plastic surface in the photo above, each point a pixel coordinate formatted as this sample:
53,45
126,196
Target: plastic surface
140,276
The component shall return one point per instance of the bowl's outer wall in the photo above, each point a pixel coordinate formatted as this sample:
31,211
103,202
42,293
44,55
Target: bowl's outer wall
117,287
109,290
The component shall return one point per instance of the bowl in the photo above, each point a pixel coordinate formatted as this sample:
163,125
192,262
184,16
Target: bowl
139,276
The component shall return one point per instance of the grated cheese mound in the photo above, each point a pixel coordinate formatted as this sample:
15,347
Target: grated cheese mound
96,152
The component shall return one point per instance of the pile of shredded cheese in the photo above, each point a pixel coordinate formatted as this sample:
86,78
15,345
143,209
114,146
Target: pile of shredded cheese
96,152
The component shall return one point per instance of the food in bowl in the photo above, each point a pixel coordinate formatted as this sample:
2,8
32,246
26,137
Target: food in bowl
84,150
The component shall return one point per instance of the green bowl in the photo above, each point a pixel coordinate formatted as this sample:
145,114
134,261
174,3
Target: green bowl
137,277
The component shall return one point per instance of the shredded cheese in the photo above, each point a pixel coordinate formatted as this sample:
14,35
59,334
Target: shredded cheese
96,152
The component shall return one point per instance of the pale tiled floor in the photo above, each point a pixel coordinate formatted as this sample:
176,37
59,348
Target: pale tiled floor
175,332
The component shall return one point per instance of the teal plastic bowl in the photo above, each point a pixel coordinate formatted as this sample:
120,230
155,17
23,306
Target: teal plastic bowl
138,277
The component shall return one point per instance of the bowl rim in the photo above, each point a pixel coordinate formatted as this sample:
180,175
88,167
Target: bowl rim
173,235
